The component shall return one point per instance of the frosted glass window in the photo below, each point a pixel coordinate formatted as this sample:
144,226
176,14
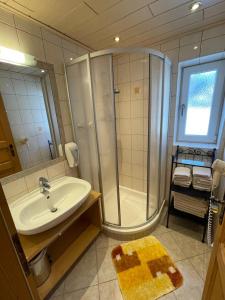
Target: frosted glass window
200,98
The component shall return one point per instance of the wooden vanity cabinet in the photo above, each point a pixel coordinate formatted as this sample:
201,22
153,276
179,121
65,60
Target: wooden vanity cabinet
66,242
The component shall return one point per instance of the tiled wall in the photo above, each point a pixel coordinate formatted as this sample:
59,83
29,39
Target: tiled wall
208,41
30,37
27,36
17,188
25,107
131,78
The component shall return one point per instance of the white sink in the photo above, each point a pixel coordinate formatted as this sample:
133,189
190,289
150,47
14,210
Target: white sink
31,212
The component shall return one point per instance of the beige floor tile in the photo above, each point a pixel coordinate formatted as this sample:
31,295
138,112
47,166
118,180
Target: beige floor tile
189,246
104,241
193,284
59,297
200,263
110,291
161,229
170,244
106,270
170,296
58,292
90,293
84,273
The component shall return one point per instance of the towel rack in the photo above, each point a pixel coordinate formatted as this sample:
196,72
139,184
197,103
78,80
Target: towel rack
190,157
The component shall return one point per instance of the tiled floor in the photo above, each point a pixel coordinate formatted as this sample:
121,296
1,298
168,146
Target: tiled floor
93,277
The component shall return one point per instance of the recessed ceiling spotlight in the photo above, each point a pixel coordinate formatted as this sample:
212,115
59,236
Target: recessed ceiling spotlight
42,71
195,47
195,6
71,58
117,39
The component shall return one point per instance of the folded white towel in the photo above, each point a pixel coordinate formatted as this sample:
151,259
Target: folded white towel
182,171
202,172
182,176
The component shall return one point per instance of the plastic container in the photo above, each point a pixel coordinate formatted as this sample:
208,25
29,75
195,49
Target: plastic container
40,267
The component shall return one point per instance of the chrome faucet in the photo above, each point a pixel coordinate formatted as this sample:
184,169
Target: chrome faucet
44,185
44,189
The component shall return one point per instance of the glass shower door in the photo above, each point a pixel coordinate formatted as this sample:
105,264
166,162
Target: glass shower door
154,134
79,86
104,105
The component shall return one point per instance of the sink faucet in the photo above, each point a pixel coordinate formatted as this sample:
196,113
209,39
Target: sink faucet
44,185
44,189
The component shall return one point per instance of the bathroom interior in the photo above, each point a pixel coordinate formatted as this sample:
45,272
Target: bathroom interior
112,136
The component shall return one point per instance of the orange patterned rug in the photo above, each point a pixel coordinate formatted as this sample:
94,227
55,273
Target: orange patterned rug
144,269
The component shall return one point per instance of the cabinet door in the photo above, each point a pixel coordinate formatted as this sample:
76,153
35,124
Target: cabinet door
16,282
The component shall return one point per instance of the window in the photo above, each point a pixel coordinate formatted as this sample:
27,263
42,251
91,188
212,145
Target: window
201,100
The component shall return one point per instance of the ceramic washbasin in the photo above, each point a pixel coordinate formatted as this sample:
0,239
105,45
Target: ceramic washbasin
31,212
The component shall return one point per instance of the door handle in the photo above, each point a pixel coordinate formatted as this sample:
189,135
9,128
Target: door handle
11,148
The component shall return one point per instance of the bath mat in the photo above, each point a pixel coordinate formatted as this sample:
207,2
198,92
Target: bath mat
144,269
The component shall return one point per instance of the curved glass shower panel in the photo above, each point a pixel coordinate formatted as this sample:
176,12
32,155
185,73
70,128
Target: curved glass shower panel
103,94
78,79
154,133
131,73
164,132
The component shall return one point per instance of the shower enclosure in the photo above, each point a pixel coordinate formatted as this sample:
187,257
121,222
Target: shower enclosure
119,102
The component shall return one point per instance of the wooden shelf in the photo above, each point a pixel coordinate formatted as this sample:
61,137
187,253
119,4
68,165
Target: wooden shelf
33,244
66,260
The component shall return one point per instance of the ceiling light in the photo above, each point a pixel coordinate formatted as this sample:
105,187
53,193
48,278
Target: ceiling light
42,71
16,57
195,47
117,39
195,6
71,58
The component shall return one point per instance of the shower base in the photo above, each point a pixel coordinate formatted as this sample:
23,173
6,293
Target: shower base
132,207
133,214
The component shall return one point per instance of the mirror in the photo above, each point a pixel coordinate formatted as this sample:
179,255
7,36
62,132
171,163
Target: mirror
29,117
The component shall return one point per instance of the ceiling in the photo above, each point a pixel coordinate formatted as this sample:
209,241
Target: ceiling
138,22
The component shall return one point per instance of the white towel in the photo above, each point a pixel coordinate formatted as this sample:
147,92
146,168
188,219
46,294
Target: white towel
202,172
182,171
182,176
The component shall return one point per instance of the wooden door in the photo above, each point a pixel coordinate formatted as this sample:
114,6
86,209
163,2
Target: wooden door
214,288
16,281
9,160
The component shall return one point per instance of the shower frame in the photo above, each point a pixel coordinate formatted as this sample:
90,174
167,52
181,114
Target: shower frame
87,57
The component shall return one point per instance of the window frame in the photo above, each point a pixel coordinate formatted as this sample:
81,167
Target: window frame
185,69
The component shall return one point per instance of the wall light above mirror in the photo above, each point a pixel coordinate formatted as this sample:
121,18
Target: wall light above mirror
30,121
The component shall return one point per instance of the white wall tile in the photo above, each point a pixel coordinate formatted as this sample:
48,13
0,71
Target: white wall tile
51,37
54,55
27,26
32,180
16,188
31,44
8,37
